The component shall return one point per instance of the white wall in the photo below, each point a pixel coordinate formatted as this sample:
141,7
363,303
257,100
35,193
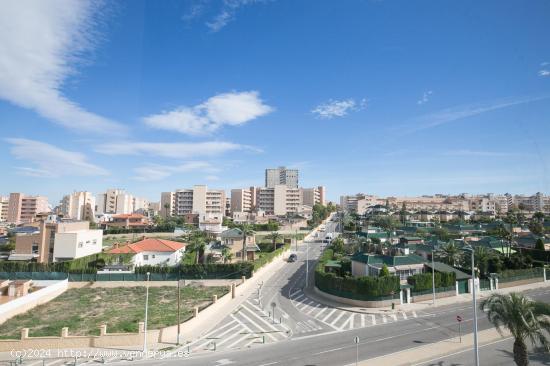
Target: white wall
157,258
76,244
359,269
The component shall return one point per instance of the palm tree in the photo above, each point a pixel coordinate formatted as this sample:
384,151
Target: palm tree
525,318
198,244
451,253
246,230
481,258
166,207
274,237
226,254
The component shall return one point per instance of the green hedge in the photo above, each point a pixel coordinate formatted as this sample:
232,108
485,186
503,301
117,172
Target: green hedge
423,281
268,257
88,264
367,288
210,270
520,274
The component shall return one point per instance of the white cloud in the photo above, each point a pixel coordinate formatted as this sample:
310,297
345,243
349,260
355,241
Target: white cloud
545,63
425,97
51,161
338,108
457,113
227,13
176,150
41,42
480,153
223,109
544,73
152,172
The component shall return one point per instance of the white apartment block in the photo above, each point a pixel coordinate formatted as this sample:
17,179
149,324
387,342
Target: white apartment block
78,206
198,200
312,196
279,200
482,204
23,209
4,203
118,202
281,176
359,203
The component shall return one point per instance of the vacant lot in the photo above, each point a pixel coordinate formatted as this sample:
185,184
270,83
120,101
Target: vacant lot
84,310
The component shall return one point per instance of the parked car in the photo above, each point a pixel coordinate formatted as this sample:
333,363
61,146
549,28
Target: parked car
292,258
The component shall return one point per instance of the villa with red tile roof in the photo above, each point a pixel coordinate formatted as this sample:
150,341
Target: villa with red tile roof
153,251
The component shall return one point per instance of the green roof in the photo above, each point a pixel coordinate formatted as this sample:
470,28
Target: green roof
335,264
390,261
442,267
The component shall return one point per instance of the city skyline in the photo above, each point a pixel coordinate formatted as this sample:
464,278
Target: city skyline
359,90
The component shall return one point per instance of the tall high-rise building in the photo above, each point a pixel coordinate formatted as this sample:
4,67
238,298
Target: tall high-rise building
114,201
197,200
23,209
281,176
312,196
78,206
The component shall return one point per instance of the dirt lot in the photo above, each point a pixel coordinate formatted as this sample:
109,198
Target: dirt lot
83,310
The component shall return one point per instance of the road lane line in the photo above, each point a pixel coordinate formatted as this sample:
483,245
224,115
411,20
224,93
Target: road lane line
373,319
315,307
384,320
342,313
321,312
362,320
329,314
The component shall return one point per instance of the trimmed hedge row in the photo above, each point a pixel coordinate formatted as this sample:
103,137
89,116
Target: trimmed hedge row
268,257
423,281
367,288
209,270
518,274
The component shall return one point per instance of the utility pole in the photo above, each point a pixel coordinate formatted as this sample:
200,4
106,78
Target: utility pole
476,348
307,263
433,278
146,308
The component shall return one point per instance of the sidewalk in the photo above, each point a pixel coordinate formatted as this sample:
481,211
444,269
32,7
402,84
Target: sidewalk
436,350
422,305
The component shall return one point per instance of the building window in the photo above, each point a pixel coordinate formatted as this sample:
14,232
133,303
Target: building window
80,244
146,257
153,256
34,248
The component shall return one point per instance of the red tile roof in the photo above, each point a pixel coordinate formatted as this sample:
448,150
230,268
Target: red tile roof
149,245
128,216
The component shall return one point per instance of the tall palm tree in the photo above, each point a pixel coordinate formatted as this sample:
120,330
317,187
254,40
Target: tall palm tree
246,230
226,254
525,318
274,237
166,207
451,253
198,244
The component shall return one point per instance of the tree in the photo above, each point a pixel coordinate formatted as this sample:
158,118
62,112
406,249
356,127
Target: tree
481,259
539,245
451,253
274,237
384,271
246,230
226,254
338,245
198,245
525,318
539,216
166,207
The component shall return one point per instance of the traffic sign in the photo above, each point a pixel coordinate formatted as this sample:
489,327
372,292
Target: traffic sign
356,339
458,318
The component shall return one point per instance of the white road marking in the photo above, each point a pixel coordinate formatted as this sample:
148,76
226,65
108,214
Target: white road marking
414,314
394,317
327,351
404,315
343,326
329,314
384,320
373,319
321,312
342,313
313,308
362,320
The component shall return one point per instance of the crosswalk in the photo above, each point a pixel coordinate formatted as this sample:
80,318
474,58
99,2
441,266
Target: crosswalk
247,326
338,319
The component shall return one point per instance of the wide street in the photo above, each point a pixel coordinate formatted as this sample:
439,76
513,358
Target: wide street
304,332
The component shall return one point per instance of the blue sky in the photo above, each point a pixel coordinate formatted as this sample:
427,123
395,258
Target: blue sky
384,97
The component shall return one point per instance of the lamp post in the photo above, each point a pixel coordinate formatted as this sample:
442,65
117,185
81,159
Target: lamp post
146,308
307,263
433,278
468,248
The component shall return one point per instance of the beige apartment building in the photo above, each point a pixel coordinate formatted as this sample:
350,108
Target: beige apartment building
4,203
243,200
78,206
312,196
281,176
24,209
198,200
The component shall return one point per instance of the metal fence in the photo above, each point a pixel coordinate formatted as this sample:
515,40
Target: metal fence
430,291
38,276
520,274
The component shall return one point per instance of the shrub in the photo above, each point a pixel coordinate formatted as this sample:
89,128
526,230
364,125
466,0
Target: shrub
423,281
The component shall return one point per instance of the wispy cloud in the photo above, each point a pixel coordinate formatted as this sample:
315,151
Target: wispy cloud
461,112
41,43
481,153
425,97
153,172
51,161
227,13
338,108
176,150
544,72
231,109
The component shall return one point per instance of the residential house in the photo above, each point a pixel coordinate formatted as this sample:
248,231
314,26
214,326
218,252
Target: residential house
153,252
233,239
127,221
363,264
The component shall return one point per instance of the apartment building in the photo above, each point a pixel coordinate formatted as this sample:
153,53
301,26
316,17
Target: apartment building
24,209
312,196
279,200
78,206
114,201
198,200
58,240
359,203
243,200
281,176
482,204
536,202
4,203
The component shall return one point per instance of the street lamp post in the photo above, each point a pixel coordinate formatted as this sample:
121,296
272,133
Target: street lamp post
146,308
433,278
474,300
307,263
